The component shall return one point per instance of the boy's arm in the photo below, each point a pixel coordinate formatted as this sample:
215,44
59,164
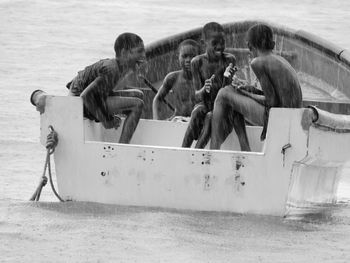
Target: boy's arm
197,82
256,97
229,71
161,94
250,88
269,98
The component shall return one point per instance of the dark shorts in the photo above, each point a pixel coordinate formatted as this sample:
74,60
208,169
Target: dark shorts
75,90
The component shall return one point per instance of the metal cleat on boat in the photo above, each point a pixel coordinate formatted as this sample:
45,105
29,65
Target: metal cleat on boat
38,99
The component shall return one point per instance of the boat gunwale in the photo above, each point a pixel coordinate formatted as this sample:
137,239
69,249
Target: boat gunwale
167,44
131,145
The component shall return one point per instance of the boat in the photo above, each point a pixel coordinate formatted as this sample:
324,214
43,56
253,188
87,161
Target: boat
298,165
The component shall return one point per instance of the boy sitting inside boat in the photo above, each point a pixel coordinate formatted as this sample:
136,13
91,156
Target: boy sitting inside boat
208,77
179,83
280,88
96,83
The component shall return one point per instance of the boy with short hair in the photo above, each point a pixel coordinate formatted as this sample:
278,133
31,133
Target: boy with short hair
208,77
280,88
179,82
96,82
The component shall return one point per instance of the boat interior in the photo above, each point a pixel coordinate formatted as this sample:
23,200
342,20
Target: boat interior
323,68
165,134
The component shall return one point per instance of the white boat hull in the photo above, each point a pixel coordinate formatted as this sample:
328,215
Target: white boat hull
154,171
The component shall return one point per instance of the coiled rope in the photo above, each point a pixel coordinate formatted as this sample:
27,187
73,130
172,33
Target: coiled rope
51,143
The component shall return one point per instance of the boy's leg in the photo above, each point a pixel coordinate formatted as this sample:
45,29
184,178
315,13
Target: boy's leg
240,129
206,132
230,110
221,127
94,100
195,126
130,106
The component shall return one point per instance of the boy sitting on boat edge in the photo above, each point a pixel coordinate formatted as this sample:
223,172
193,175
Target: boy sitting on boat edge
280,88
208,77
96,86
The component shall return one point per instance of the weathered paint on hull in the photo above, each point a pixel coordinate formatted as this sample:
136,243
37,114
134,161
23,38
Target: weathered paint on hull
154,171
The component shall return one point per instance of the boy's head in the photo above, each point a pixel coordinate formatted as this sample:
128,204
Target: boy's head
187,49
260,37
129,49
214,37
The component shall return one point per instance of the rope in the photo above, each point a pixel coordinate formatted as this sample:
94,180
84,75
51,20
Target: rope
51,143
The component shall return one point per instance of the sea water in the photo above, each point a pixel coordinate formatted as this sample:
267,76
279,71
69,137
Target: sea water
42,46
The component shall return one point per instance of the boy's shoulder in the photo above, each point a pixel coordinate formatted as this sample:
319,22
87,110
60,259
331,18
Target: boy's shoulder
172,76
258,64
107,66
105,62
259,61
198,61
270,59
199,57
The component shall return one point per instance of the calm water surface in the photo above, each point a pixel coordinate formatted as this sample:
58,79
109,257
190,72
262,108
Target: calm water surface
43,44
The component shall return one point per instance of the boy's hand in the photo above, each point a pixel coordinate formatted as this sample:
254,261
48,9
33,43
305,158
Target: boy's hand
230,71
208,84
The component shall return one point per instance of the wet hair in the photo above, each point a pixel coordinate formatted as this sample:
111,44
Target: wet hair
260,36
126,41
211,27
189,42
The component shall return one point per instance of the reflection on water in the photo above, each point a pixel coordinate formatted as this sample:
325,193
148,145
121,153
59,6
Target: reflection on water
320,214
311,213
343,193
92,232
304,203
81,231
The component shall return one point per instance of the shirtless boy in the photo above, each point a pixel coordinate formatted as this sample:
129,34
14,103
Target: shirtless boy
280,88
96,82
180,82
208,77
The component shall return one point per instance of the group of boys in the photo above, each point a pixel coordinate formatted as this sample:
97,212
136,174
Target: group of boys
203,88
221,104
